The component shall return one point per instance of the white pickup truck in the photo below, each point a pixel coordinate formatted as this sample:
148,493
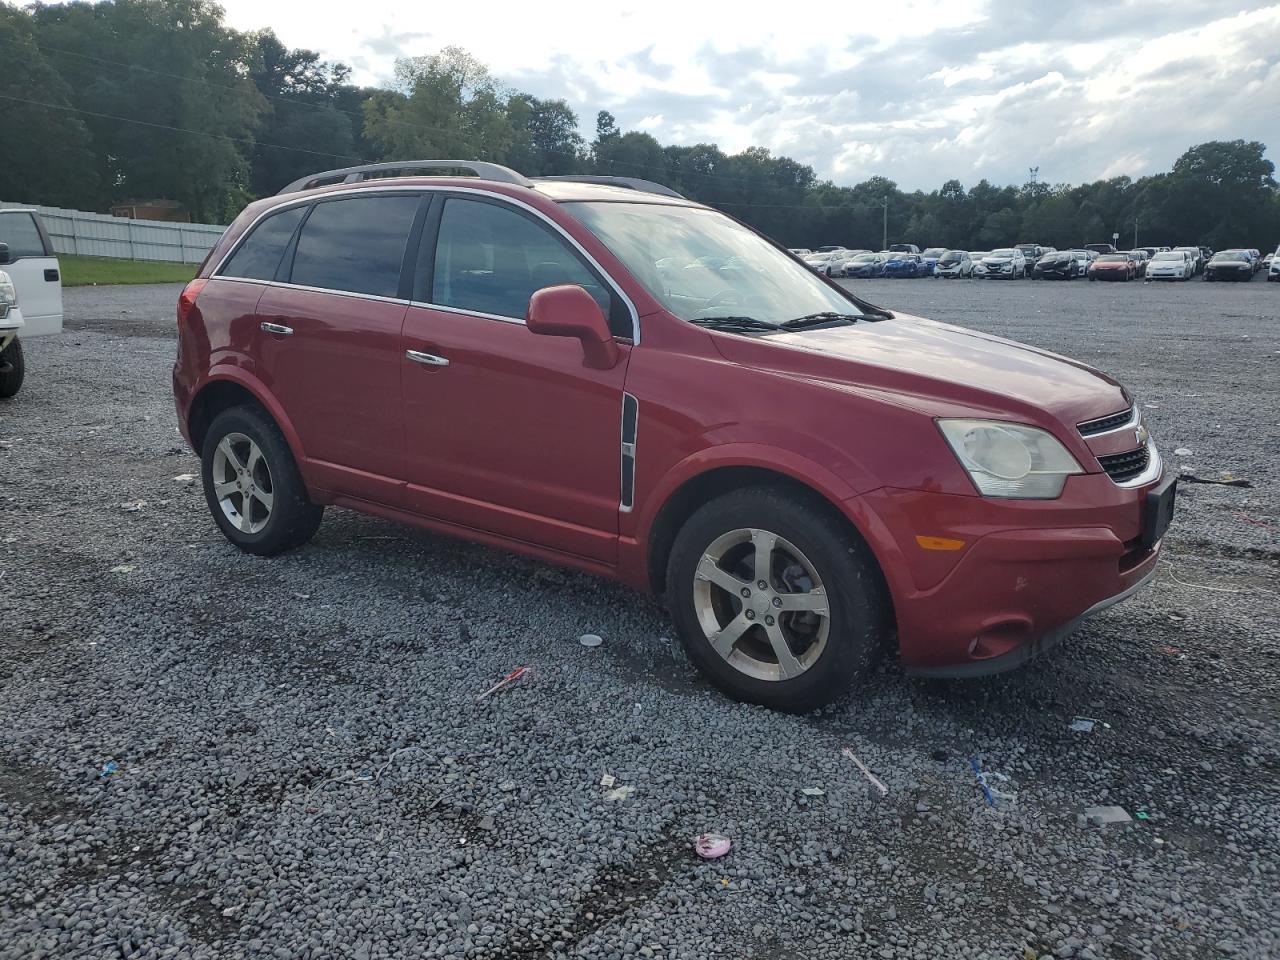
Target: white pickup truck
30,291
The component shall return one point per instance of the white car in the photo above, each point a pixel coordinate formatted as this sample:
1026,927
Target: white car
30,291
979,268
820,262
1170,265
799,251
1273,272
1006,264
954,263
1083,259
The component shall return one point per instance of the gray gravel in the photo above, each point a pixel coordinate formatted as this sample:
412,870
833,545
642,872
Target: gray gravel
302,768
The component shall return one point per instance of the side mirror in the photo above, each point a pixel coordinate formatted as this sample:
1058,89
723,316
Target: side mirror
569,311
4,253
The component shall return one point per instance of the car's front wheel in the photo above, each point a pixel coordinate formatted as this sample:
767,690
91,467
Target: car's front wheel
12,369
776,603
253,486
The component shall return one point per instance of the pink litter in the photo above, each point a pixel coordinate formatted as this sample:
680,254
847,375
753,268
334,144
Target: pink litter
712,846
511,677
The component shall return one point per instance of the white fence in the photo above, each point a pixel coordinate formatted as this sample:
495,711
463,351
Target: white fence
99,235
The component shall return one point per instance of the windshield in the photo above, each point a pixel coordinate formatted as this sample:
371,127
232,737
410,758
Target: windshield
1113,258
1231,256
953,255
669,250
933,252
865,258
1002,253
1169,255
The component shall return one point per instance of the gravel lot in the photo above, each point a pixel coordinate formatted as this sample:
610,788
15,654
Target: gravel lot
303,769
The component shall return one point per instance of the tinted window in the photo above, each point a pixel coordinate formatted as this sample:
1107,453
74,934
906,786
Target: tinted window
491,259
19,231
259,256
355,245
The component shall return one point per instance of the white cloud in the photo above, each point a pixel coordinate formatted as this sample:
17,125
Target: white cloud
919,91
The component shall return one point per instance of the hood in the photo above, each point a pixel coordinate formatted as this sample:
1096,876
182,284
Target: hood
937,368
997,261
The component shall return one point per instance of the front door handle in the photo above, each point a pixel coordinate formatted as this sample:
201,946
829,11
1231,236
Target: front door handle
430,359
278,328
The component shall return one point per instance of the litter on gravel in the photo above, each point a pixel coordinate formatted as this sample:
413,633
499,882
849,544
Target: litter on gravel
590,640
991,794
124,568
133,506
1100,816
1086,724
712,846
510,678
620,793
813,791
875,781
185,477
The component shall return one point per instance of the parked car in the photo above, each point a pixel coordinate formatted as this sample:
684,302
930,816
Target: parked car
865,265
842,261
976,501
903,266
1083,259
1150,251
979,267
954,263
1059,265
1273,270
1256,256
820,262
903,248
1031,252
1004,264
1113,266
799,251
1230,265
1197,258
1170,265
1139,258
30,291
929,260
1100,248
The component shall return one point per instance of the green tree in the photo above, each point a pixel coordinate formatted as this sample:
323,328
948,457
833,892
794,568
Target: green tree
34,102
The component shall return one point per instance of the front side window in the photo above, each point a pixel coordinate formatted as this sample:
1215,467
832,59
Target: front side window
20,232
355,245
258,257
491,259
700,264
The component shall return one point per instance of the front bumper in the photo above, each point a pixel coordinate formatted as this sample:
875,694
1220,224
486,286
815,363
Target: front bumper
1027,574
11,325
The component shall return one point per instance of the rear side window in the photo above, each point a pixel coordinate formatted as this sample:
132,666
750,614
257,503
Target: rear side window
259,256
355,245
19,231
491,259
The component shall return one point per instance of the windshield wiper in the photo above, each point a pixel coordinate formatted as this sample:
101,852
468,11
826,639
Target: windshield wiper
826,316
734,323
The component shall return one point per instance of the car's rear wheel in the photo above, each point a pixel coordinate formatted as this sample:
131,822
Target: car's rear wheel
776,603
253,486
12,369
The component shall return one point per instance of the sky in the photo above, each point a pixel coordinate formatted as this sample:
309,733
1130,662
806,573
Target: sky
915,90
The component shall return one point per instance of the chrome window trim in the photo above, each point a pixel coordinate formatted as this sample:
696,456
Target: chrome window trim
299,286
363,190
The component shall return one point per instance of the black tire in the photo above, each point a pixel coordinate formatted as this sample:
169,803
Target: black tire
293,518
860,612
11,357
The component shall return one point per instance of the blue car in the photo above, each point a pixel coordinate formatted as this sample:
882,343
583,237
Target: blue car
903,265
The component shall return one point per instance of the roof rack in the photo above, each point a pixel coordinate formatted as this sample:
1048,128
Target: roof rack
631,183
374,171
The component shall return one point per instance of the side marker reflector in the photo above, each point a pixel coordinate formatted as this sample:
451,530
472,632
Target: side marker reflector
939,543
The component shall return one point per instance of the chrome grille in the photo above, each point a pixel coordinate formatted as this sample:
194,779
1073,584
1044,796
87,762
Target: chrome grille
1125,466
1113,421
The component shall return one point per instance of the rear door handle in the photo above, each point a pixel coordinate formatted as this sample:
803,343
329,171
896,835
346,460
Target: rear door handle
278,328
51,275
430,359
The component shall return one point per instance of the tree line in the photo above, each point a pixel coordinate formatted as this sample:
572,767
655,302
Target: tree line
144,99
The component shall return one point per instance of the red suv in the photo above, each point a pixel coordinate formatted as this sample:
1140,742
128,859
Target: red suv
600,373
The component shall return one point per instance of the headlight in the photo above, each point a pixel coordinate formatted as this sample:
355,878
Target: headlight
8,294
1009,459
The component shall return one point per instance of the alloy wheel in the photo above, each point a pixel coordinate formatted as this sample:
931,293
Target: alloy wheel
242,483
761,604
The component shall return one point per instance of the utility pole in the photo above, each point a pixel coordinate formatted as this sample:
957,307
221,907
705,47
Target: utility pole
1135,229
885,244
1035,176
